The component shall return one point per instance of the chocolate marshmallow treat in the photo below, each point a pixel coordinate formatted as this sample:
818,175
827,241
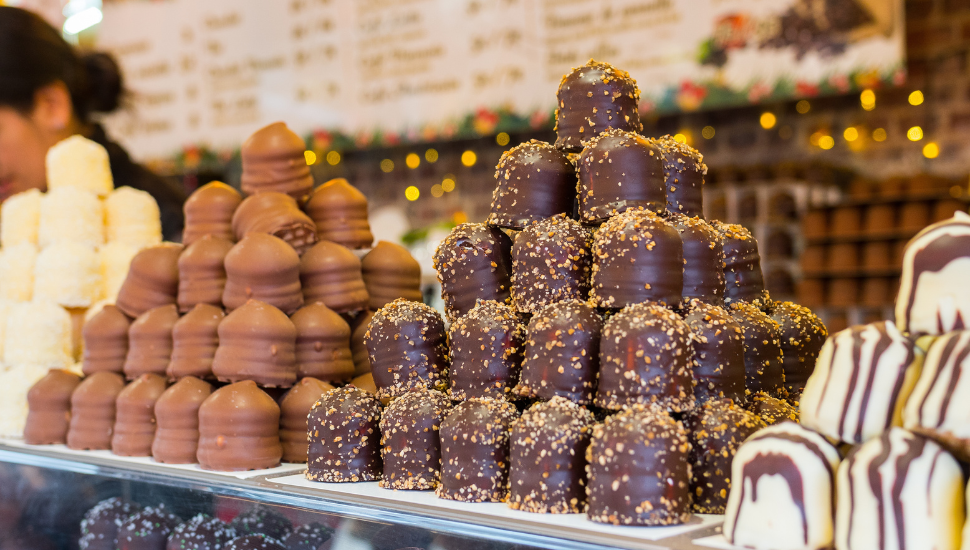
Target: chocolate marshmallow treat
177,415
619,171
105,338
593,98
202,272
263,267
310,536
475,439
742,265
147,530
208,211
152,281
344,437
202,532
410,439
331,274
390,272
762,350
254,542
551,262
239,429
49,408
535,181
262,520
684,172
718,342
474,262
771,409
703,259
195,338
150,342
273,160
322,344
408,348
486,352
276,214
802,337
93,411
295,405
134,430
99,528
256,342
340,212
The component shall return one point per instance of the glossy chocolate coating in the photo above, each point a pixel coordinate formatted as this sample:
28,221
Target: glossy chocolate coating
408,348
147,530
637,257
239,429
331,274
254,542
551,262
152,281
262,520
718,363
322,344
310,536
703,259
548,458
645,357
49,408
195,338
150,342
562,353
410,440
684,172
202,272
535,181
105,341
256,342
357,345
93,411
390,272
263,267
802,336
474,262
340,212
486,352
134,430
619,171
475,438
202,532
294,408
763,366
645,452
742,265
273,160
592,98
345,437
99,528
278,215
177,416
771,409
208,211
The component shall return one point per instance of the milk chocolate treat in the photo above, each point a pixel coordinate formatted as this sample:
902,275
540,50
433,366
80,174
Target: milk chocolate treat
802,336
782,490
551,262
153,280
742,265
202,272
261,520
684,172
716,431
49,408
562,353
278,215
645,357
263,267
475,439
638,468
936,407
408,348
311,536
202,532
195,338
273,160
147,530
256,342
863,377
150,342
762,350
254,542
93,411
718,362
357,345
619,171
177,417
340,212
134,430
105,341
548,458
473,262
331,274
486,352
322,344
294,408
591,99
410,440
99,528
637,257
239,429
208,211
345,438
390,272
771,409
703,259
535,181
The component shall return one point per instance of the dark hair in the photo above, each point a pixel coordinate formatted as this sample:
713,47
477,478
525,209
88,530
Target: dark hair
33,54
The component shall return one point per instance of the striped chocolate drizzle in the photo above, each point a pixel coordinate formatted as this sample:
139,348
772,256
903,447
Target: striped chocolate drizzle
933,257
950,343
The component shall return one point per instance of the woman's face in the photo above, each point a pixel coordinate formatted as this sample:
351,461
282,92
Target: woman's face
23,147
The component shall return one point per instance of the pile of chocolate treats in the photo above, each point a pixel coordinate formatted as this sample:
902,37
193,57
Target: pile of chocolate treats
608,349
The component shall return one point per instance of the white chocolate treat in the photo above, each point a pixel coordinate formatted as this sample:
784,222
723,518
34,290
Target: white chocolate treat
68,274
5,306
15,382
38,333
939,405
20,218
863,376
783,483
71,214
899,491
115,260
933,293
79,162
17,272
133,217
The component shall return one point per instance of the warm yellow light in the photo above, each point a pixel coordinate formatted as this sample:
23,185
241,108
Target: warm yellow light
803,107
448,184
813,139
431,156
708,132
868,99
768,120
333,158
412,193
915,133
468,158
931,150
916,98
460,217
412,160
879,134
311,157
851,133
680,137
502,139
826,142
387,165
437,191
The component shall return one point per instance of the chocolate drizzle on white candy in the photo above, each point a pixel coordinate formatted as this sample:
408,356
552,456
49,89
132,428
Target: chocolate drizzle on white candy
935,407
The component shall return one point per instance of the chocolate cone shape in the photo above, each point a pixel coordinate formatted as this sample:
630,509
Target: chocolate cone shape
93,411
239,429
177,415
256,342
273,160
202,272
135,416
340,212
294,408
390,272
195,338
593,98
357,346
263,267
153,280
49,408
278,215
208,211
331,274
105,341
150,342
322,344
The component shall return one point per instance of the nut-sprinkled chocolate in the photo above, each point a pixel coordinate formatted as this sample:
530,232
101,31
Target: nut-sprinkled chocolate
410,440
742,265
202,272
340,212
408,348
591,99
344,436
551,262
562,353
475,439
548,458
134,429
177,416
93,411
147,530
473,262
762,350
310,536
254,542
771,409
105,341
357,345
150,342
278,215
390,272
637,257
265,268
49,408
99,528
256,342
703,259
152,281
619,171
639,469
202,532
486,352
645,357
195,338
802,337
273,160
239,429
322,344
718,342
262,520
535,181
208,211
294,408
684,171
331,274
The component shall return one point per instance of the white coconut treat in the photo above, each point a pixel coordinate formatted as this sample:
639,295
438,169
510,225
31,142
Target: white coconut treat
15,382
81,163
17,272
133,217
115,259
68,274
38,333
71,214
20,218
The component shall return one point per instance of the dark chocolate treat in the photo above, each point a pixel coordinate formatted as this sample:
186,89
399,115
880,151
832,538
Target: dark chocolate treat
344,437
535,181
548,458
134,430
273,160
474,262
475,439
802,336
278,215
703,259
390,272
408,348
716,430
619,171
486,352
551,262
177,415
263,267
743,279
152,281
202,272
261,520
294,408
593,98
562,353
637,257
150,342
147,530
645,357
208,211
105,341
718,364
254,542
310,536
684,171
49,408
638,469
340,212
358,348
331,274
762,350
239,429
410,442
256,342
93,412
99,528
771,409
322,344
202,532
195,338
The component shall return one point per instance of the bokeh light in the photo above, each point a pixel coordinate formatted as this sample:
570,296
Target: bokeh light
708,132
412,193
412,160
469,158
931,150
803,106
915,133
431,155
448,184
387,166
311,157
916,98
333,158
502,139
768,120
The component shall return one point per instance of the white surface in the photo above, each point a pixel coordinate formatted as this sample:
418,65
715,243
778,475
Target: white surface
716,541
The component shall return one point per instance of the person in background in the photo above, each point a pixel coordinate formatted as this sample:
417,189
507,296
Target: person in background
49,92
